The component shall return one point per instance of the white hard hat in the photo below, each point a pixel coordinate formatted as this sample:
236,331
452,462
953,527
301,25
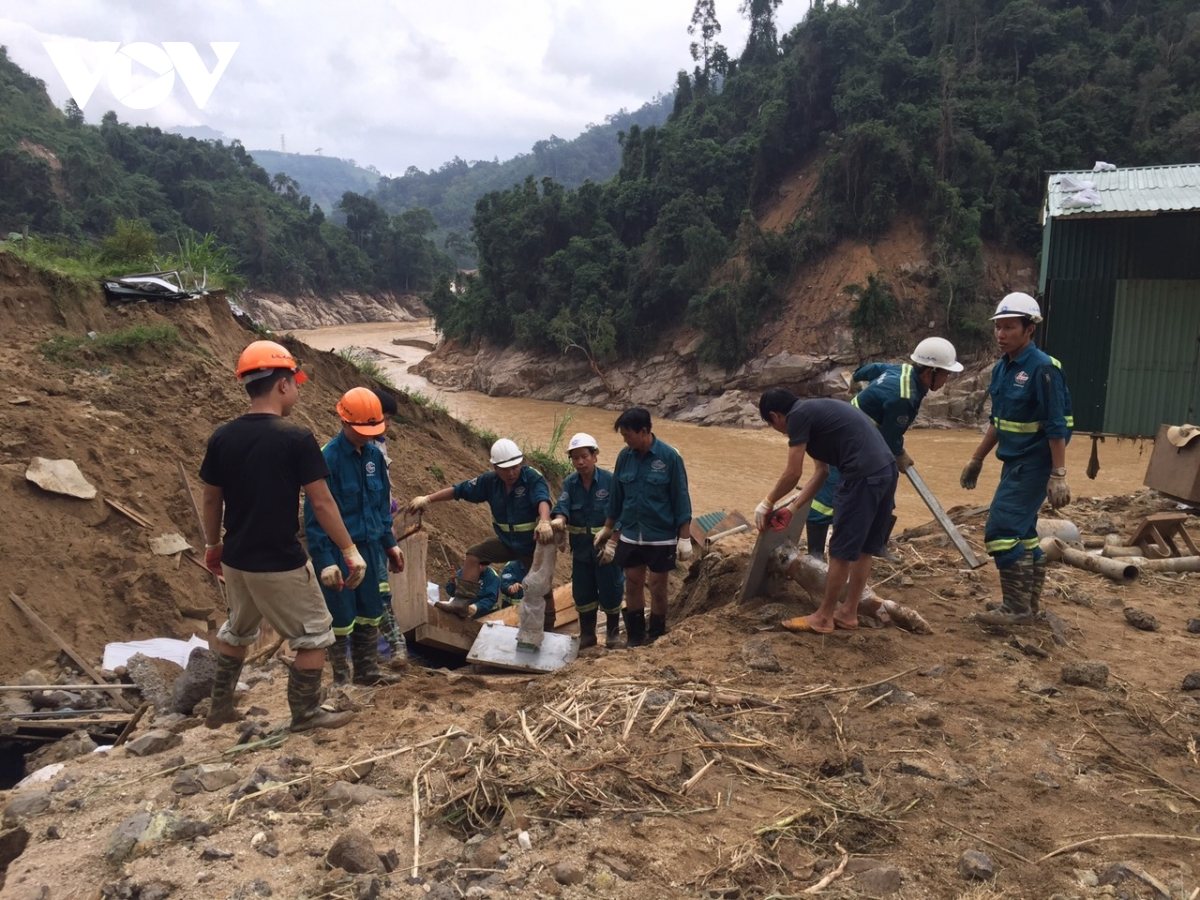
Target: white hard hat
1018,304
583,439
938,353
506,453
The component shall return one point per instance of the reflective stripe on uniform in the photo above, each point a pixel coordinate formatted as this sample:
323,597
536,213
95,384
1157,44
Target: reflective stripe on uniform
580,529
1018,427
1001,544
822,508
905,381
854,403
1030,543
523,526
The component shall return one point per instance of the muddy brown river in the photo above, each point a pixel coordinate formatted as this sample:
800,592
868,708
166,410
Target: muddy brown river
728,468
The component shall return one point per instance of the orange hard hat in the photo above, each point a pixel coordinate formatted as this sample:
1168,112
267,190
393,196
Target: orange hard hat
362,411
260,358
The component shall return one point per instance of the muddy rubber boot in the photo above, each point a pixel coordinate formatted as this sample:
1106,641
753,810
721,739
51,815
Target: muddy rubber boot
395,640
1037,583
465,594
336,652
612,630
364,650
817,533
587,629
549,617
1014,608
635,627
224,684
658,627
304,700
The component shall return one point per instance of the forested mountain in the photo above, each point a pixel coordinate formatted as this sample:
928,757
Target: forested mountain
451,191
949,110
126,196
323,178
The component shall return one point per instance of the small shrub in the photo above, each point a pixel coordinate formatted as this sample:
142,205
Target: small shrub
438,473
362,361
130,244
111,345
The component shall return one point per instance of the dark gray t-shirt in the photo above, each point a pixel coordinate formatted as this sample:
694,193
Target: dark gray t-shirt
838,434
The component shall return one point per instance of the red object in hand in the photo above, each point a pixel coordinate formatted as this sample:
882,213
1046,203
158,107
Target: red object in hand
781,518
395,560
212,560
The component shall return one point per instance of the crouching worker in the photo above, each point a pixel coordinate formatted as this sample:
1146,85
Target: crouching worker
253,471
512,583
520,502
581,510
488,599
358,482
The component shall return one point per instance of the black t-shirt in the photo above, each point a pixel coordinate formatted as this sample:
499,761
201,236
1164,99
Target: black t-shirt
838,434
260,461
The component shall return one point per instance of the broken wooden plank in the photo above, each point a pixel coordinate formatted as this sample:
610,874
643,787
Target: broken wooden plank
564,610
131,724
91,673
9,688
134,517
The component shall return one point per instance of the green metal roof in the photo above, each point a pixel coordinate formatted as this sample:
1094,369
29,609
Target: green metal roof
1128,192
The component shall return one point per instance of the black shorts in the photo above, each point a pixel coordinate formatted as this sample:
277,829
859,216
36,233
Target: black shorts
656,557
862,514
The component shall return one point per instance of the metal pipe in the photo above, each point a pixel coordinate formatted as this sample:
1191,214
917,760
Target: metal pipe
1174,564
1116,551
713,538
1117,570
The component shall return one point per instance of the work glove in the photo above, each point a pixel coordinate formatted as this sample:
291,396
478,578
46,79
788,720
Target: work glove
970,475
357,566
903,461
513,589
683,549
1058,491
212,558
418,504
601,538
762,514
395,560
781,519
331,577
608,553
559,524
543,532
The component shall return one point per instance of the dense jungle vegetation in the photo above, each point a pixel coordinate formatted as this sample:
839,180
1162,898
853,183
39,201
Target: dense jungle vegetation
953,110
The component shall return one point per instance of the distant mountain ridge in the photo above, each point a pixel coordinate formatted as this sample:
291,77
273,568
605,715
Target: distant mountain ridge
323,178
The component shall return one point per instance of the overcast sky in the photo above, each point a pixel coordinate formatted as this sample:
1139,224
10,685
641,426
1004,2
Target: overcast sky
393,84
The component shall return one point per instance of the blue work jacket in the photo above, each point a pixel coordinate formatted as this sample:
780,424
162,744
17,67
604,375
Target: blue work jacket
891,400
515,512
650,494
1030,405
585,510
359,484
514,573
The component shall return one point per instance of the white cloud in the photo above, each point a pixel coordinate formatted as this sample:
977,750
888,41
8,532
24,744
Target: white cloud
392,84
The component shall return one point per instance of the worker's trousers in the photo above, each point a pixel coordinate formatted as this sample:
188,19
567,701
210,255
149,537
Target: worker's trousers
1011,528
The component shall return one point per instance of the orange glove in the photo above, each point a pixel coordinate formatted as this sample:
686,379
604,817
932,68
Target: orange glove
395,560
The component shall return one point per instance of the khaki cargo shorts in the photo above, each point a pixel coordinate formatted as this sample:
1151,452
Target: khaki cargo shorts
290,601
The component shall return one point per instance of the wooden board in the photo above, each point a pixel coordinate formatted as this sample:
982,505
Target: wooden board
409,601
496,646
446,631
768,542
564,606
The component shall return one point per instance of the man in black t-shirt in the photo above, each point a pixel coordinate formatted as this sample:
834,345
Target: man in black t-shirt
253,471
834,433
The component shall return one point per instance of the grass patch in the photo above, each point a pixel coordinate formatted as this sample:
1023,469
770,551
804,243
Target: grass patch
109,345
362,361
437,472
424,401
552,459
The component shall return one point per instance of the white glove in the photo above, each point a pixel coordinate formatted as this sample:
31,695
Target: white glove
601,538
543,533
331,577
762,514
418,504
1058,491
559,524
608,553
683,549
357,566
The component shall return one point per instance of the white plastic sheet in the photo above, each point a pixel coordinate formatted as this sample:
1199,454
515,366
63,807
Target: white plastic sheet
118,652
1103,167
1069,185
1082,200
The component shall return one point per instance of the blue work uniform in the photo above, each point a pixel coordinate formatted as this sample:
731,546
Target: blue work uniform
585,509
514,512
513,576
1030,407
487,600
649,496
358,481
892,401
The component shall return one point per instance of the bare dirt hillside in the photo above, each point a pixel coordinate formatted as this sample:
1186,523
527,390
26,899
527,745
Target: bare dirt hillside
728,760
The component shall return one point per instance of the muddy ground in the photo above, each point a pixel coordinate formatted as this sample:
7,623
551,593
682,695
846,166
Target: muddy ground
730,759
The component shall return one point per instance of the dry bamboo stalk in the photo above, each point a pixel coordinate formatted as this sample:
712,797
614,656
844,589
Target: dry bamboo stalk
528,734
820,692
633,711
832,876
984,840
1117,837
687,785
562,718
662,716
878,699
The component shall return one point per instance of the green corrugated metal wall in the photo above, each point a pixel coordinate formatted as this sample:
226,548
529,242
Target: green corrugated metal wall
1153,376
1085,260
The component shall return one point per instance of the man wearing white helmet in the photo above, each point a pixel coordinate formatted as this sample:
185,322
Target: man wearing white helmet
1031,424
581,510
891,400
520,501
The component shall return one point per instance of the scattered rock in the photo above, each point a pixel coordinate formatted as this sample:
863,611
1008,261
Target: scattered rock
154,678
1047,779
78,743
524,841
13,842
343,795
255,888
1140,619
354,853
186,784
367,888
975,865
712,731
24,805
890,694
155,741
212,854
33,676
1191,681
214,776
757,654
390,860
882,881
195,684
1089,673
1193,626
60,476
142,829
617,865
568,873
